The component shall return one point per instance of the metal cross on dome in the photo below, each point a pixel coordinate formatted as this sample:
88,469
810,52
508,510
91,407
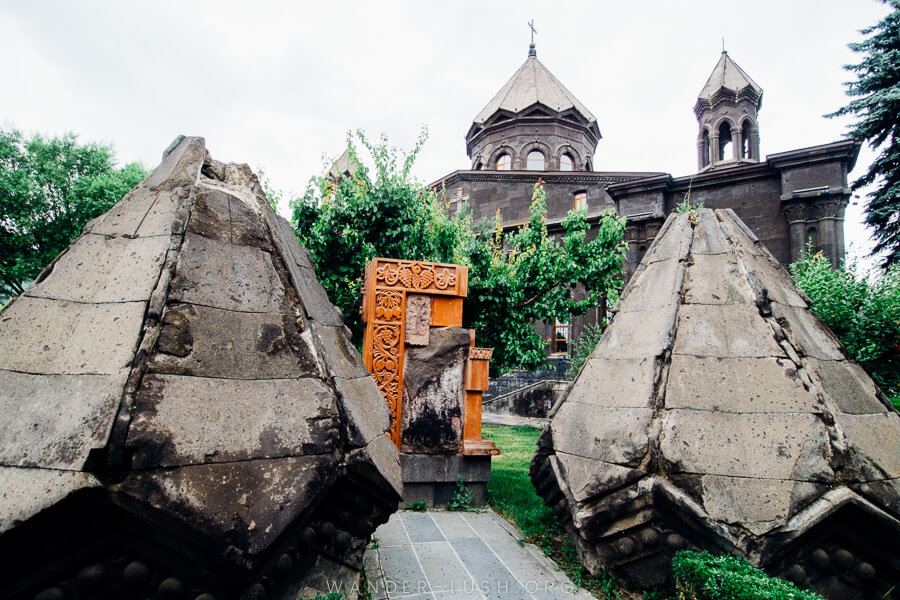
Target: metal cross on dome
533,30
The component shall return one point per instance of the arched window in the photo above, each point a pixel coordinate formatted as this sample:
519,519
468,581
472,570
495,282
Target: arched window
726,148
535,161
504,162
566,163
745,141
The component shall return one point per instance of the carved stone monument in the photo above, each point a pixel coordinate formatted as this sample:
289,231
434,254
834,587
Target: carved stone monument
431,375
719,413
181,412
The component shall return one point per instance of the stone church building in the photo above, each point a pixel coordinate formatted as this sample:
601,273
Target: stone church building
535,128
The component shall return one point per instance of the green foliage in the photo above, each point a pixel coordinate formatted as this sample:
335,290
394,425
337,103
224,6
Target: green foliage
584,347
462,496
515,279
49,189
527,276
347,222
685,207
864,313
876,106
709,577
417,505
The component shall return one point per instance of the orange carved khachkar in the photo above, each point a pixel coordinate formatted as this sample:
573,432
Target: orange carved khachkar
388,283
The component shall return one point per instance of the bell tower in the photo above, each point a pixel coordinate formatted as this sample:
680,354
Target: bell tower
727,111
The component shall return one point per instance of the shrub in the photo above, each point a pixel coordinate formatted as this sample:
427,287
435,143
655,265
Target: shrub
708,577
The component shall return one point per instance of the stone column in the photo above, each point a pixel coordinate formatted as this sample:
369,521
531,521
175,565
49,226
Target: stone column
714,149
839,231
795,215
702,153
825,223
754,144
736,142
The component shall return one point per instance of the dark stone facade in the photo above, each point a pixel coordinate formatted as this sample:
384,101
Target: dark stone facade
788,200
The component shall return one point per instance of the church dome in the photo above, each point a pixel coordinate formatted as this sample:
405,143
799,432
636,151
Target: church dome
533,123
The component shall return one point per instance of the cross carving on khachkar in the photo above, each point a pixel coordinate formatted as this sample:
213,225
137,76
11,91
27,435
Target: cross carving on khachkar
403,302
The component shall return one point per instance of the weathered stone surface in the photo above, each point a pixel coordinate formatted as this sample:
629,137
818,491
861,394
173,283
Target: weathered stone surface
235,501
760,505
54,421
755,385
58,337
877,439
169,406
716,279
638,334
105,269
616,383
433,393
366,411
622,439
807,334
211,342
26,492
852,390
656,286
180,420
764,445
418,319
732,331
741,427
247,279
673,243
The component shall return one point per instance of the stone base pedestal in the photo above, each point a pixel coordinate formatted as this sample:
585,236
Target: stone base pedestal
433,477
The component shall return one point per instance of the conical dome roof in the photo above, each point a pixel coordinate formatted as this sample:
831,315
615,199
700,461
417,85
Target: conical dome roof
728,79
719,413
181,412
533,84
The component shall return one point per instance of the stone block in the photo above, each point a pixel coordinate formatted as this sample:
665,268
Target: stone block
588,478
230,501
638,334
848,386
708,237
26,492
98,268
612,435
657,287
740,445
774,279
194,420
54,421
877,438
364,406
181,164
445,468
673,245
211,342
380,454
735,330
59,337
627,383
749,385
759,505
247,280
124,218
807,334
342,359
716,279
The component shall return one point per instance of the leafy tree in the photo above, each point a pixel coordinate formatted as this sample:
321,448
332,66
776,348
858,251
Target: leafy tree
514,279
347,221
527,276
49,189
864,313
876,106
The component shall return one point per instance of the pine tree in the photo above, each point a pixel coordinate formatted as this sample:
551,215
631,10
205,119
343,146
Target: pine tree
876,105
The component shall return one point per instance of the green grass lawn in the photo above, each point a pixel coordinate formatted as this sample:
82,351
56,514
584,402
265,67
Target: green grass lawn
511,493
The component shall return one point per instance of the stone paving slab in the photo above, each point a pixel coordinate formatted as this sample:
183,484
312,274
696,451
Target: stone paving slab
454,555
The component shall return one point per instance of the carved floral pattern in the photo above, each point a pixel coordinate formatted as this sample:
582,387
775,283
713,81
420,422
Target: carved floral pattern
416,275
388,305
386,369
481,353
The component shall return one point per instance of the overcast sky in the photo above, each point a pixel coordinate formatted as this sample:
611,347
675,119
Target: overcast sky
278,85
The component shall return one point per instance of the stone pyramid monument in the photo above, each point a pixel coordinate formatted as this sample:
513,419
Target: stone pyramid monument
719,413
181,412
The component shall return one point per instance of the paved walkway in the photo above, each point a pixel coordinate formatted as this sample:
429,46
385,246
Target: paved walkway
456,555
495,419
